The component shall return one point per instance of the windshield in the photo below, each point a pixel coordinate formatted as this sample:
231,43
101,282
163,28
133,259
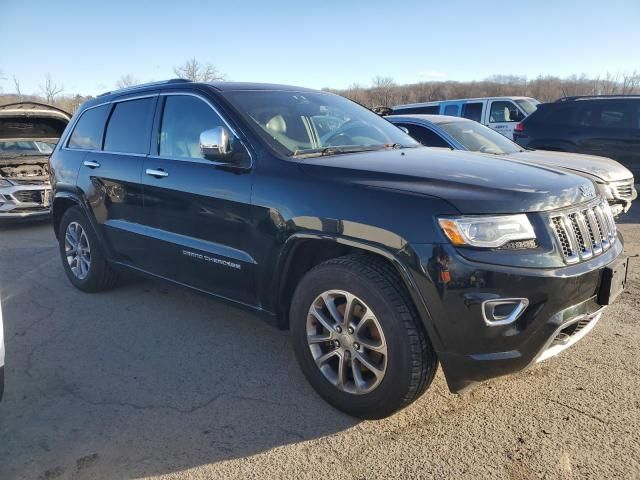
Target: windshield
25,147
529,105
304,123
478,138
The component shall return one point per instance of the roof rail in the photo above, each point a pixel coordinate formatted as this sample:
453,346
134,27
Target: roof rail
150,84
578,97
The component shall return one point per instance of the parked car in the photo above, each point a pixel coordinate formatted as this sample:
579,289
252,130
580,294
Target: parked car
614,181
1,355
597,125
382,256
501,114
28,134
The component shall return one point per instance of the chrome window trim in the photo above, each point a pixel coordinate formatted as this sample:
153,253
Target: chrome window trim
65,143
192,160
109,152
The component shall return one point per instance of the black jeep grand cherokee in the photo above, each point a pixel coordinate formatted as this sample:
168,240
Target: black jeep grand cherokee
382,257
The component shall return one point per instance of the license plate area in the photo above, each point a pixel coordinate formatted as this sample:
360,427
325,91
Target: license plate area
614,280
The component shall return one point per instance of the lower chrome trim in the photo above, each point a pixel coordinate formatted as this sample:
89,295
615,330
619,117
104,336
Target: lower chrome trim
549,351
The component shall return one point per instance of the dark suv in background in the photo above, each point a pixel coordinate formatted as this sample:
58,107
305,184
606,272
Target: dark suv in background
382,256
607,126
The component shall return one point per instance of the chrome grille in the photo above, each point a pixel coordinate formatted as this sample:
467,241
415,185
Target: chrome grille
585,232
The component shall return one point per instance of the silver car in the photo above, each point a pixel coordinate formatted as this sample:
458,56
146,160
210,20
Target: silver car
613,179
1,354
28,133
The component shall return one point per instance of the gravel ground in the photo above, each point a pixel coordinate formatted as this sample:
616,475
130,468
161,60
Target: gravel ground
153,381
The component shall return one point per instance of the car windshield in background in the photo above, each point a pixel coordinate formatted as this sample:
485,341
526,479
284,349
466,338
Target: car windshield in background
308,123
529,105
478,138
25,147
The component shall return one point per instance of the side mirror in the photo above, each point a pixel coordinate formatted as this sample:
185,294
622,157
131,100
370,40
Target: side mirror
215,144
404,129
515,116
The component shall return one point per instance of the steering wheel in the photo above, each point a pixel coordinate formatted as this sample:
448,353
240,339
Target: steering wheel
342,132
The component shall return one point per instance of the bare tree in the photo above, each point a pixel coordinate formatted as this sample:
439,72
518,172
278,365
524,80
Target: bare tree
630,82
127,80
382,91
16,84
198,72
50,89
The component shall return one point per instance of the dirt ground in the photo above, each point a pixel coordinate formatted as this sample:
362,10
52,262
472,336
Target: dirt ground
153,381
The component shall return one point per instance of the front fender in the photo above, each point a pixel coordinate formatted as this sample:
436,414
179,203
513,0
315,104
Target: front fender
404,260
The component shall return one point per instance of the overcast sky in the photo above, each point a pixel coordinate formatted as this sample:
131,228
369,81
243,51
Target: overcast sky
88,45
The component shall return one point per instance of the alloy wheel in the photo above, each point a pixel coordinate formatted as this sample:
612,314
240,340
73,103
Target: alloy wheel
347,342
77,250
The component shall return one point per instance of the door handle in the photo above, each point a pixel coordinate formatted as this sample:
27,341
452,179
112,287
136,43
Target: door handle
156,173
91,164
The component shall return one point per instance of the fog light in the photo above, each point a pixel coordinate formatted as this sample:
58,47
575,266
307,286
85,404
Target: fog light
503,311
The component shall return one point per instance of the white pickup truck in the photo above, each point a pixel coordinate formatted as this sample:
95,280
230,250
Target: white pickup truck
499,113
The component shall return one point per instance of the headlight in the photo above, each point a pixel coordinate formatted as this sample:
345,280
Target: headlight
5,183
488,232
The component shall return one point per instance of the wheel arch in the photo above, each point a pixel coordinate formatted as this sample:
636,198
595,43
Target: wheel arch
66,200
295,261
61,203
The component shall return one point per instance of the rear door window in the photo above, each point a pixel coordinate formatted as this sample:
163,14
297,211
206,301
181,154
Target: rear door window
424,135
87,134
603,114
472,111
451,110
129,127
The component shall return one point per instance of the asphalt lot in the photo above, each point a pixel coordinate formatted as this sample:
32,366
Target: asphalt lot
153,381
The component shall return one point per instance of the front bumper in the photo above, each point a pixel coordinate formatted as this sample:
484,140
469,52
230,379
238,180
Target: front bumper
562,306
24,202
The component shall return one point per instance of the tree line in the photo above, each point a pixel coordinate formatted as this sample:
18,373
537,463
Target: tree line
382,91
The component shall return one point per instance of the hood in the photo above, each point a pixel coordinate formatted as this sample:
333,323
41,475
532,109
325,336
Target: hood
473,183
29,120
604,169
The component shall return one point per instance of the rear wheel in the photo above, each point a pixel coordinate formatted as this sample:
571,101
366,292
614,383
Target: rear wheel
358,338
85,265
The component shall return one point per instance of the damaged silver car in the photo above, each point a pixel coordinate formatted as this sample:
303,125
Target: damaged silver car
28,134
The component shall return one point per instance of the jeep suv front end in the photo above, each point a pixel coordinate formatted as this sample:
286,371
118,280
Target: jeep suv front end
499,310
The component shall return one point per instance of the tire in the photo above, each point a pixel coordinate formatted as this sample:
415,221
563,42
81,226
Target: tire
99,274
409,361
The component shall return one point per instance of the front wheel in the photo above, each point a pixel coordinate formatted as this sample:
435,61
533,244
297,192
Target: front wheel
358,338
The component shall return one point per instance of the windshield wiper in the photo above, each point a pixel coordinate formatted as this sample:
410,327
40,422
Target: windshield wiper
327,151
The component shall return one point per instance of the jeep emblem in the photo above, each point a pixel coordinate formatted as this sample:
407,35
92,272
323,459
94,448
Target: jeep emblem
587,190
